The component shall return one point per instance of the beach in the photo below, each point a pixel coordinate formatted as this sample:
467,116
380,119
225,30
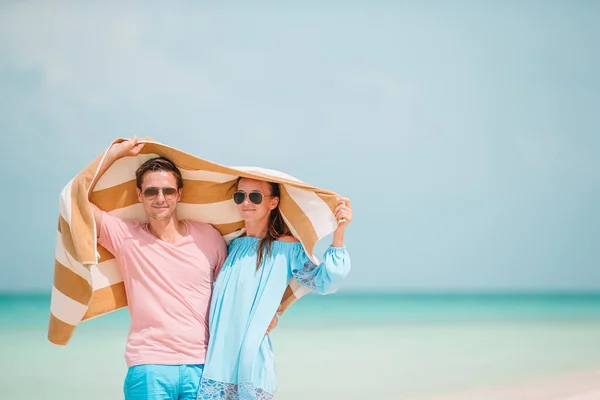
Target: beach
421,348
574,386
467,361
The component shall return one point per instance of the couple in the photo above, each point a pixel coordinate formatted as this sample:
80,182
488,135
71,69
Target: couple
182,281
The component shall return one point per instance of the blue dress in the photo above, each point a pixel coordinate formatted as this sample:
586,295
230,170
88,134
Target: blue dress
239,361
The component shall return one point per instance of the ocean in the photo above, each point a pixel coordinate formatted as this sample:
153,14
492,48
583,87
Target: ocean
344,346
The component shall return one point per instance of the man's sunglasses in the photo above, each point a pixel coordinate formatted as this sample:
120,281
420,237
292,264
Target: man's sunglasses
255,197
152,192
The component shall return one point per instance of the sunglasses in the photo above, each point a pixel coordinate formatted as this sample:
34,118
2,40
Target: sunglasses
255,197
152,192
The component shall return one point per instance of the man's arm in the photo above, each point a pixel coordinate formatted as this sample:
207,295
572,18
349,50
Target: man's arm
129,147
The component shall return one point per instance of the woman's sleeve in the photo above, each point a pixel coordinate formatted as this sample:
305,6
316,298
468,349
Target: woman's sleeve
325,278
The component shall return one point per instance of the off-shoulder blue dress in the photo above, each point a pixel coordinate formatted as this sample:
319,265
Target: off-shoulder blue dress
239,361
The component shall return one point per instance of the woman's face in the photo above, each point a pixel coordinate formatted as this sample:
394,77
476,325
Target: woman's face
250,192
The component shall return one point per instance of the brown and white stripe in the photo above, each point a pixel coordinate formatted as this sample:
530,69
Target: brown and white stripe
87,281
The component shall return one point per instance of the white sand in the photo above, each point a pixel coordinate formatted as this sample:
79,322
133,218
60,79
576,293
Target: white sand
416,362
574,386
471,361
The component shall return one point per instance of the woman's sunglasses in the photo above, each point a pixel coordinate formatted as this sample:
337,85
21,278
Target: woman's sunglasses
255,197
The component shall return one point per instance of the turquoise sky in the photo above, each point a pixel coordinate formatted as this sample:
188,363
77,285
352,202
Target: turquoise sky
467,135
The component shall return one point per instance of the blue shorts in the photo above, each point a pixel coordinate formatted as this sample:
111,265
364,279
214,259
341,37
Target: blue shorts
163,382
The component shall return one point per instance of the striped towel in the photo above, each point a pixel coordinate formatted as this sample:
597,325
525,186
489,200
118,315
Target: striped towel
87,281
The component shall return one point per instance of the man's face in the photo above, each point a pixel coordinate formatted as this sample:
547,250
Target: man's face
159,194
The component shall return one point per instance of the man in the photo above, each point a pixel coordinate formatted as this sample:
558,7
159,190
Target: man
168,267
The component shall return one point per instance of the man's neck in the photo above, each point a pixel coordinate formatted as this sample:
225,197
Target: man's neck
257,228
168,230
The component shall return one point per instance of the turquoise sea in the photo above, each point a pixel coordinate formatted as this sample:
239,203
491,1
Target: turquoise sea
342,346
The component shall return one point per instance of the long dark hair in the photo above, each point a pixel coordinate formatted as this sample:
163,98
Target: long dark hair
275,229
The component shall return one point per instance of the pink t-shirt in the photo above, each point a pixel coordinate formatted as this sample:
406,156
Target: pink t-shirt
168,286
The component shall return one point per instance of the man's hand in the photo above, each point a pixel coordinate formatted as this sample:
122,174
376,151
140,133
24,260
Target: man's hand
127,148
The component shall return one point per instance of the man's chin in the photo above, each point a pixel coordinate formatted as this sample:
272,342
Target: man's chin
161,215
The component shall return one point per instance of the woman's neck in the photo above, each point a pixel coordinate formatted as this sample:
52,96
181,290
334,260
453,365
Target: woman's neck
257,229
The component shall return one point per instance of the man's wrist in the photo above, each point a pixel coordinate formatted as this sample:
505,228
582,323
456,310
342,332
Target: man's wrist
111,155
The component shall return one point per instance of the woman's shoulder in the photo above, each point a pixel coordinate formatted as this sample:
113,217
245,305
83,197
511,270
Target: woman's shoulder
287,239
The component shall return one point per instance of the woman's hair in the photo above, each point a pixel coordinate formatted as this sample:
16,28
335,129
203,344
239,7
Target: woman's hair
275,229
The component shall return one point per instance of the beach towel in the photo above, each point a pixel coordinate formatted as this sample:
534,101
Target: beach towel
87,282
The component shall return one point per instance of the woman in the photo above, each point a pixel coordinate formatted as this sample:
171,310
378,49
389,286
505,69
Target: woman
249,288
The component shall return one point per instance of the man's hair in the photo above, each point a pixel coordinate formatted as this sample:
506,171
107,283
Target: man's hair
158,164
